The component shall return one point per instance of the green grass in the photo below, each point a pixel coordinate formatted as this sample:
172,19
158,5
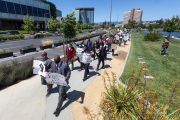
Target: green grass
165,69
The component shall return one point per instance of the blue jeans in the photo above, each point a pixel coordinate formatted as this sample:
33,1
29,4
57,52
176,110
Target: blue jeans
164,51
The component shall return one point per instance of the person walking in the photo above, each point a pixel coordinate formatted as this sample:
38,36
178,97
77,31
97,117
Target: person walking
125,38
62,68
89,44
101,56
70,52
165,45
86,65
113,46
95,47
81,46
47,63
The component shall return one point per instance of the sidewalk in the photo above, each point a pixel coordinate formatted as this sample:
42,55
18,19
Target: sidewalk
27,99
94,90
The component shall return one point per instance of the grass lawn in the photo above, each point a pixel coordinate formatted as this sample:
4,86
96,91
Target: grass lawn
164,69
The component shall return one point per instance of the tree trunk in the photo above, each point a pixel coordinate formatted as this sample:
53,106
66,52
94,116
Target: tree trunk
64,49
169,36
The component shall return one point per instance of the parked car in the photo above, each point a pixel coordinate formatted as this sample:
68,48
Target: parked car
13,32
33,33
3,33
58,32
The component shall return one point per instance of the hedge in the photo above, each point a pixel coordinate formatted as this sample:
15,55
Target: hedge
11,37
11,74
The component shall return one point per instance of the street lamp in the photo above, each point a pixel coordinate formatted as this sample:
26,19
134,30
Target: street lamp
45,21
110,13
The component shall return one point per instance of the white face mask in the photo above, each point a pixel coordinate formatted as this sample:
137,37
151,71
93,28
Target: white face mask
100,46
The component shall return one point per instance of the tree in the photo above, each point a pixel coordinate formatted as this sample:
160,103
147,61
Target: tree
52,8
69,27
28,23
150,28
171,25
138,30
53,24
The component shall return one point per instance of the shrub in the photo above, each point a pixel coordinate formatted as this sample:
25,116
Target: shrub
11,74
12,37
4,51
125,102
47,42
152,36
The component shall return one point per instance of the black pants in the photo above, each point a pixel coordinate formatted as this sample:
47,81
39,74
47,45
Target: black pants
112,51
72,62
81,64
95,54
86,67
99,61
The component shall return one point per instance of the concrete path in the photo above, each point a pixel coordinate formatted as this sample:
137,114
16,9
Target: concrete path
23,101
26,100
95,89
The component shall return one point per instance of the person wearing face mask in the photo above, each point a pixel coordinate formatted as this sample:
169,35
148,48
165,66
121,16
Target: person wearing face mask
101,56
70,52
47,63
62,68
86,65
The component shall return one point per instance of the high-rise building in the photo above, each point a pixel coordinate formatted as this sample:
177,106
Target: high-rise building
12,13
134,15
85,15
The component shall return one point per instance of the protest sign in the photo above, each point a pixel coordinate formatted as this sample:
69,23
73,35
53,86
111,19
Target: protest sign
97,50
38,67
55,78
86,58
79,52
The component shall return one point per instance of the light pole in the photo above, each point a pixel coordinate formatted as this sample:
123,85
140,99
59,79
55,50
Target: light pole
110,17
110,13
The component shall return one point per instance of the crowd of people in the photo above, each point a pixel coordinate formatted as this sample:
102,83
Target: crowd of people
98,50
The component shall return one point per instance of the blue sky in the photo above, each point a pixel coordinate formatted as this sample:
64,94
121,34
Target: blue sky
152,9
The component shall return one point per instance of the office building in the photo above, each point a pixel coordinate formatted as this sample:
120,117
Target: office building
84,15
12,13
134,15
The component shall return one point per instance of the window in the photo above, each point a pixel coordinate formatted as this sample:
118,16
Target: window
18,8
24,9
30,11
40,12
10,7
3,7
47,14
43,12
35,11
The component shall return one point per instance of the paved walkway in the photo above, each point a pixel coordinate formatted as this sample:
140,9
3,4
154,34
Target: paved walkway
26,100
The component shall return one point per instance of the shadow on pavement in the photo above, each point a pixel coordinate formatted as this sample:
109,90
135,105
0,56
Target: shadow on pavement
56,89
109,59
107,66
91,74
74,96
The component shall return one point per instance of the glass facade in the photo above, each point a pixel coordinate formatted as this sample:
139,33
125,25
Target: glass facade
86,16
19,9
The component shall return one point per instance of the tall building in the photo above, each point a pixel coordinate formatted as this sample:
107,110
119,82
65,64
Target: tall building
59,15
12,13
85,15
134,15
